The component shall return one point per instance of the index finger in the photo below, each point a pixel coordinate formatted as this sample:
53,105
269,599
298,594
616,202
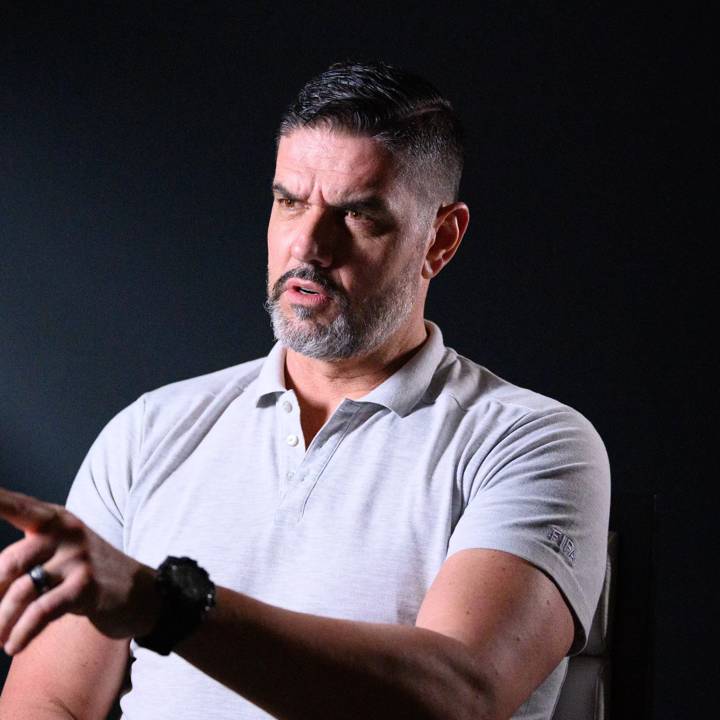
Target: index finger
23,511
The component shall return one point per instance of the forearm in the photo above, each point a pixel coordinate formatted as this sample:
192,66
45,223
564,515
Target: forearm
298,666
69,672
291,664
34,710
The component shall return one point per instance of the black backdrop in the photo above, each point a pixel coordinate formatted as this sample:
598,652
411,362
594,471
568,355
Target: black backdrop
136,150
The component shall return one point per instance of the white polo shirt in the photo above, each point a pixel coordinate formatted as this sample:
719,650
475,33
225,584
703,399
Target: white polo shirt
440,457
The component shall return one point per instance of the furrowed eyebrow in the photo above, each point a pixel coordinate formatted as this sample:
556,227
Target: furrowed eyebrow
371,204
280,189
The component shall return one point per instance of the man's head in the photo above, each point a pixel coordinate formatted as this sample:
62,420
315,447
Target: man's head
367,169
401,111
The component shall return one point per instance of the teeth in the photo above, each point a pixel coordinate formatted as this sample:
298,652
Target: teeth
306,291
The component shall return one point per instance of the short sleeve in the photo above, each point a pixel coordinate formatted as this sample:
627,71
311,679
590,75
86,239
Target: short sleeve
99,493
543,493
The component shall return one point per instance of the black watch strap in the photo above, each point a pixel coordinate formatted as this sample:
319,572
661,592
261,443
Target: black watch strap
186,593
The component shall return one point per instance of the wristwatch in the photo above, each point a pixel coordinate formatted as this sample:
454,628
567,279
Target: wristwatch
186,593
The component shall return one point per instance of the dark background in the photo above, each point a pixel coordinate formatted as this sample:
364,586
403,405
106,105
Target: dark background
136,151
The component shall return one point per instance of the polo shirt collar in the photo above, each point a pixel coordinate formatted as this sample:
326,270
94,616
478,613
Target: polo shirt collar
272,374
404,389
400,393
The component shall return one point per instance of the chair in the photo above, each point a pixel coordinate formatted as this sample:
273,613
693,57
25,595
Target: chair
585,694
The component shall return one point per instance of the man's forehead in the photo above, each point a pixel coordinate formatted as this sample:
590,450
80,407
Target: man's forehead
346,163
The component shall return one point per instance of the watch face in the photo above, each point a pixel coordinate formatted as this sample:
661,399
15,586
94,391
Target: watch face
192,581
187,594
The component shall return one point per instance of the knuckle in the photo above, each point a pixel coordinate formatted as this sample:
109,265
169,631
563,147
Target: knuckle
9,564
14,604
41,607
74,531
49,606
80,556
19,591
84,578
70,521
69,533
78,591
56,521
22,504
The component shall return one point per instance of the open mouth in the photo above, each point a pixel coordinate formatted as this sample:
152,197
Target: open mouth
306,292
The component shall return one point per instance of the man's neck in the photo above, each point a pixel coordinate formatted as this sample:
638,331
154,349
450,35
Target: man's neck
321,385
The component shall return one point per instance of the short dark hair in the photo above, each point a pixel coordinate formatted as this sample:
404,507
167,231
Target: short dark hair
402,111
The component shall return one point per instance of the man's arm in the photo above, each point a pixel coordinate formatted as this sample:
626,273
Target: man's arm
491,628
70,672
509,615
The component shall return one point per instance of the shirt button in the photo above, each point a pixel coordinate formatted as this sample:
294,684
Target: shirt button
292,440
290,475
286,406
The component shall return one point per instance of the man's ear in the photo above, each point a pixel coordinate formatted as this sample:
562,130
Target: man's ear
449,227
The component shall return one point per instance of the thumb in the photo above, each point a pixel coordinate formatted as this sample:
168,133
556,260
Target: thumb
25,512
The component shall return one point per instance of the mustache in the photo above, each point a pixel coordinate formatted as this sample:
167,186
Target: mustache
310,273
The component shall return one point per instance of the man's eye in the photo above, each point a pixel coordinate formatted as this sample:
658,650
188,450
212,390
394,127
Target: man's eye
354,214
286,203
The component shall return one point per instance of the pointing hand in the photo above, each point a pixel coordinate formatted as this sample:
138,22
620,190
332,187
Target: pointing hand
75,571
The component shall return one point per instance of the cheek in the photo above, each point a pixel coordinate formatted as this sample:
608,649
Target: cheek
369,277
276,247
275,268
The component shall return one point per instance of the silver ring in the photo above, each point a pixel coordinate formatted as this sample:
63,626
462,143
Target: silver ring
40,579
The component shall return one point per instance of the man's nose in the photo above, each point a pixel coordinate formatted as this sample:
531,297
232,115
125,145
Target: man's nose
314,238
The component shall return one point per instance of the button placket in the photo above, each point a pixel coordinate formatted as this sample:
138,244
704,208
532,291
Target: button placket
290,441
321,450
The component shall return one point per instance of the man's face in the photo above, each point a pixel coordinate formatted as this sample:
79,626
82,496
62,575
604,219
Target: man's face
346,243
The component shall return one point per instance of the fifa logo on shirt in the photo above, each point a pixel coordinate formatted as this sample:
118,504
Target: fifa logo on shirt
563,542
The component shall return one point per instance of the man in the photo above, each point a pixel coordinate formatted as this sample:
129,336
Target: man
389,529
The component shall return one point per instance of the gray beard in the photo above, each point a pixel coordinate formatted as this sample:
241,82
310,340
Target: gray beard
354,331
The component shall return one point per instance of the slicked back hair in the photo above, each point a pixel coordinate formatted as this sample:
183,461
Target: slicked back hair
401,111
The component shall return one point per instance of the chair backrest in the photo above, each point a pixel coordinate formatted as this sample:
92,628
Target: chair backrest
585,694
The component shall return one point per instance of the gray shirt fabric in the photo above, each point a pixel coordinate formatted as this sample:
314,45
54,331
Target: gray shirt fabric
441,457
